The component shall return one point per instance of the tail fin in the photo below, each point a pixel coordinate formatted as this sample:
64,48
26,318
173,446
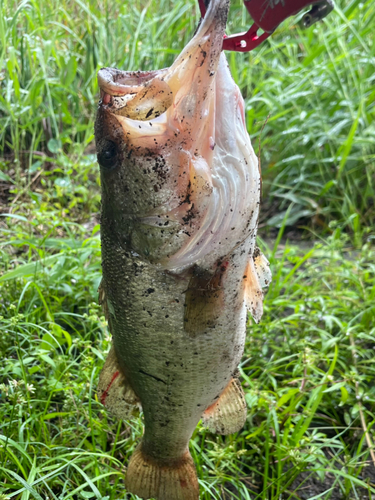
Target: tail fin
163,480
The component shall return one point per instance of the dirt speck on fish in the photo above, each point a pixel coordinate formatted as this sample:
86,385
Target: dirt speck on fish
180,202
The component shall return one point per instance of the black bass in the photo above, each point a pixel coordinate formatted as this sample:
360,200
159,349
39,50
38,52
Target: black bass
180,204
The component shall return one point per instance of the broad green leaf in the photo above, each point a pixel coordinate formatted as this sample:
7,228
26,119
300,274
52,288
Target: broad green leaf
344,395
15,216
55,414
285,398
27,270
335,387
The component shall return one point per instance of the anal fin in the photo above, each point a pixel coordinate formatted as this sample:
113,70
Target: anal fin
114,391
228,414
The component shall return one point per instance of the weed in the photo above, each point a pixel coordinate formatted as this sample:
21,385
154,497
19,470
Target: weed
307,372
316,84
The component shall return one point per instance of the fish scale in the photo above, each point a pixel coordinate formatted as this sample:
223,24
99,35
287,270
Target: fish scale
166,352
180,204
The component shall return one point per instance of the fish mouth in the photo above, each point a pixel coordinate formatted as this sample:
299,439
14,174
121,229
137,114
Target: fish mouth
138,95
172,114
146,95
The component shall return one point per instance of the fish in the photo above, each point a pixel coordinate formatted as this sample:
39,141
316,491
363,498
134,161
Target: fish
181,270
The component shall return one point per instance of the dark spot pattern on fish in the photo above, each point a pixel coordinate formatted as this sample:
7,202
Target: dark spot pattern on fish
172,263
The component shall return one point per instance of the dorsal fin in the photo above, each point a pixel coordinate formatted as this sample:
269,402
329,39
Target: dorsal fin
102,300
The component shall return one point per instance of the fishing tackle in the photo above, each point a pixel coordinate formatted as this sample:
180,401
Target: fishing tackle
267,16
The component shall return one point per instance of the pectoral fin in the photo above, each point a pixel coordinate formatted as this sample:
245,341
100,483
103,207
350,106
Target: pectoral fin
257,276
204,300
228,413
262,268
114,391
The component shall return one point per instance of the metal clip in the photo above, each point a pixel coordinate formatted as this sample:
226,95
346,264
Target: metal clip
267,16
317,13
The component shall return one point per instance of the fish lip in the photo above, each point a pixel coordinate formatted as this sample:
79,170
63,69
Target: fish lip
116,82
138,95
119,89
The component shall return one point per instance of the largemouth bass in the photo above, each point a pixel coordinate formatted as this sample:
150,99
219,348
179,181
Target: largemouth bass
180,203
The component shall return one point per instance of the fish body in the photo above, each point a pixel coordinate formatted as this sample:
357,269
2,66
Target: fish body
180,203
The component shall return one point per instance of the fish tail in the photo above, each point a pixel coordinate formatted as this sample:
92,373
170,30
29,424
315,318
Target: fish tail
162,479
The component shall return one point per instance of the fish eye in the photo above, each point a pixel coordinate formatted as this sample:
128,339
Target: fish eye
107,157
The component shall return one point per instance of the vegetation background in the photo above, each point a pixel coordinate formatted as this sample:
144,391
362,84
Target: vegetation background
308,368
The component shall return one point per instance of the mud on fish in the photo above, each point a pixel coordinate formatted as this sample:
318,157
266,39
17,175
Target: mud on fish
180,204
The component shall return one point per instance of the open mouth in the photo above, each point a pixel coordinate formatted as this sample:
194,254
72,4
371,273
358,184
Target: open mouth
138,95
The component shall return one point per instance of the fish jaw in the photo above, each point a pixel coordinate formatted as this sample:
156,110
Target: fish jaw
232,211
155,169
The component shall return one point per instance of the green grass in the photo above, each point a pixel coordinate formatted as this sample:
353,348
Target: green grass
308,368
318,144
308,372
317,85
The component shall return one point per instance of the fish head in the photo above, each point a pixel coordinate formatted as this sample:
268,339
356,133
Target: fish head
133,145
161,137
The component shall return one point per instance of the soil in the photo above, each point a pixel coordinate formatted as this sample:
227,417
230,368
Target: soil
308,486
4,194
